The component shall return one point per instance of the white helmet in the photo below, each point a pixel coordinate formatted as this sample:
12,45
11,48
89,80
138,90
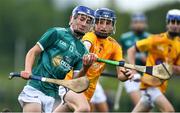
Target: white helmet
173,14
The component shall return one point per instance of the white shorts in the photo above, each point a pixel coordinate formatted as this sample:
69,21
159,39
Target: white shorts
62,93
150,95
99,95
133,85
31,94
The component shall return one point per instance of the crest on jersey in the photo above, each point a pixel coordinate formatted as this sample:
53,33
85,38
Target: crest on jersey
57,60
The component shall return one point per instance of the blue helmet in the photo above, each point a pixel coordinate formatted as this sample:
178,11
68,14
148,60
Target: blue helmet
106,14
173,14
83,10
138,17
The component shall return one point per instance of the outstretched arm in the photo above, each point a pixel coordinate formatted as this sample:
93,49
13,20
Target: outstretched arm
131,52
131,55
29,61
81,73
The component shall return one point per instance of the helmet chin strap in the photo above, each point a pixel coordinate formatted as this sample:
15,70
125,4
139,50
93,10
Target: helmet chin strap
138,32
79,34
173,34
102,35
105,35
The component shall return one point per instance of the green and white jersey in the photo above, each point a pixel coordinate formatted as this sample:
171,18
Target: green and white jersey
61,52
128,39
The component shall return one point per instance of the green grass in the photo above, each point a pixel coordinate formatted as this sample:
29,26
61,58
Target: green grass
110,86
10,90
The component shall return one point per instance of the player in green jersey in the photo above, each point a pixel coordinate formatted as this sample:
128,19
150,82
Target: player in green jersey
59,50
96,41
138,31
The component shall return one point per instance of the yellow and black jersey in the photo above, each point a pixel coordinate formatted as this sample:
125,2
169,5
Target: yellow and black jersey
160,49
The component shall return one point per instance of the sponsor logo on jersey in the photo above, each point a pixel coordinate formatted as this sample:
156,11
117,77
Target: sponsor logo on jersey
63,43
57,61
68,59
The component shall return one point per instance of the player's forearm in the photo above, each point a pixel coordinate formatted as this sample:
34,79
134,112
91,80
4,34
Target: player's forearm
176,69
82,72
88,60
30,59
131,55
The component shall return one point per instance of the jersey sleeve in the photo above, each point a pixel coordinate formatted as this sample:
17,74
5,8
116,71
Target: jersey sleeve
177,62
117,53
90,37
87,44
47,39
144,45
120,39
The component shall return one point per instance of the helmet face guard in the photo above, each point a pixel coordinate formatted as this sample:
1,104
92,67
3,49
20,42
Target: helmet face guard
106,15
84,16
173,22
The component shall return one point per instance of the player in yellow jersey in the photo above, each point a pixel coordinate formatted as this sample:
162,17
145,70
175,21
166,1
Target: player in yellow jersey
164,47
104,46
100,43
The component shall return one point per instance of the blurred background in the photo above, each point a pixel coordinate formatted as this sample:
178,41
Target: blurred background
22,22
